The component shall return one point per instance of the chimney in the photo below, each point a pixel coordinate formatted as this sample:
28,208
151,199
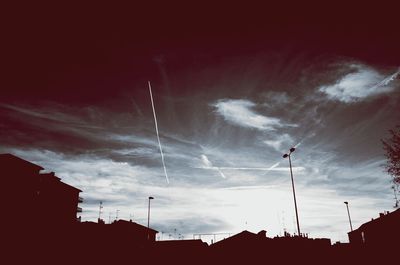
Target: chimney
262,233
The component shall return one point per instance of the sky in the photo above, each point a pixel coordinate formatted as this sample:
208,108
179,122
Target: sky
233,91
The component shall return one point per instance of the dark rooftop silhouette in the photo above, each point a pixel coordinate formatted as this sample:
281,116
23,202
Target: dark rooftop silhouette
380,232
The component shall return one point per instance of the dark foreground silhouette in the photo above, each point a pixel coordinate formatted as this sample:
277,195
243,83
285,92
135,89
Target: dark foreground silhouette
41,228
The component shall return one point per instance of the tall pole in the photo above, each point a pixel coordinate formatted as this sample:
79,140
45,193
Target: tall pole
148,215
294,193
294,196
148,219
348,213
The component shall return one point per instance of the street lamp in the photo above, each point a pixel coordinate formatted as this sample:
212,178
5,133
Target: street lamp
148,219
148,213
348,213
294,193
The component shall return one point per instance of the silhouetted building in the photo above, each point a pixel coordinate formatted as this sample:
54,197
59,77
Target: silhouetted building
118,232
381,232
242,240
192,249
250,247
35,198
133,231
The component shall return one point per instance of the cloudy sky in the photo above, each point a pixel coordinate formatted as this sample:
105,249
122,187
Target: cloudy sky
232,94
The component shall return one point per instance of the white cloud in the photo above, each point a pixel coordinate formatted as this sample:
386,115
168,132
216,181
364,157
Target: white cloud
239,112
363,82
206,162
281,142
139,151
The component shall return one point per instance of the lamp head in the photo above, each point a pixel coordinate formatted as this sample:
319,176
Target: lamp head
150,198
292,149
285,155
346,203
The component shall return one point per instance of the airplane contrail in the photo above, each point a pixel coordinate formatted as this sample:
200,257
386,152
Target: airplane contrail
158,136
209,165
274,165
388,79
251,168
222,174
254,168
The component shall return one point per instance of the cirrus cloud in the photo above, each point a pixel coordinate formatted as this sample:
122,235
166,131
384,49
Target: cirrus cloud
240,112
361,83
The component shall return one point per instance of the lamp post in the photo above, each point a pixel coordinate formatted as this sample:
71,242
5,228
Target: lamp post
148,219
294,193
148,213
348,213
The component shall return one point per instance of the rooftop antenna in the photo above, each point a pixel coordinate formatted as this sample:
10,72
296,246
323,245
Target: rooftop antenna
158,136
283,223
116,215
100,208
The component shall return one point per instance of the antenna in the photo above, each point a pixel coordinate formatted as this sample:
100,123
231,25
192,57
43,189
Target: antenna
158,136
100,208
283,222
116,215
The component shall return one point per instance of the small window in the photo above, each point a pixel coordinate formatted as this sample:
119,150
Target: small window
363,237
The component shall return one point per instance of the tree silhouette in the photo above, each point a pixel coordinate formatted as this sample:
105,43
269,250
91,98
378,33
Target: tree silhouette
391,146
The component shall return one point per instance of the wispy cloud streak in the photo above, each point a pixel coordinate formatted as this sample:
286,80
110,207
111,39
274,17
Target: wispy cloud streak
207,164
364,82
240,112
158,136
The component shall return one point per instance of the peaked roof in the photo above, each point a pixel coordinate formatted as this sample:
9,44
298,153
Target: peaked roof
243,236
133,224
12,160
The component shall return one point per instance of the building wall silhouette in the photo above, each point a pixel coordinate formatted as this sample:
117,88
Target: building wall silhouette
34,198
380,232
